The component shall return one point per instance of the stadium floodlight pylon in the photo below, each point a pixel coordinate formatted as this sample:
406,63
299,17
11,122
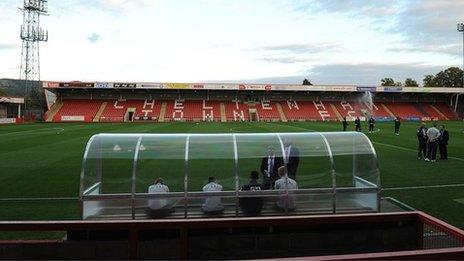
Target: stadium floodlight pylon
31,35
461,29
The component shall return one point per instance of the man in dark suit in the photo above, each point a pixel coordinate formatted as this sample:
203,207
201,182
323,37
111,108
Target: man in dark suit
292,158
443,143
357,124
252,205
422,139
397,125
371,124
344,123
269,165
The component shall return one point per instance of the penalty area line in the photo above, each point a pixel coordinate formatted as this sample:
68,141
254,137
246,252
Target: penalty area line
425,187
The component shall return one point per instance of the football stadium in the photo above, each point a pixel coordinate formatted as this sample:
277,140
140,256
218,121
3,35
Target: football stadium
230,169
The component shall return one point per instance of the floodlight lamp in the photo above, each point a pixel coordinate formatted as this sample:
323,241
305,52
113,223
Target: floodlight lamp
461,27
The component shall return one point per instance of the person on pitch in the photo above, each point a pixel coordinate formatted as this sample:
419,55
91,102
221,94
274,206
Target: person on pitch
357,124
433,135
397,125
422,139
269,165
344,123
443,143
371,124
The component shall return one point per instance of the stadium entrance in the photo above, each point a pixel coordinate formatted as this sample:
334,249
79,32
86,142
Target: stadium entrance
253,115
129,115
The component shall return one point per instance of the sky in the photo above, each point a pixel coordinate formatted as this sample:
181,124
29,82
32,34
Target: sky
262,41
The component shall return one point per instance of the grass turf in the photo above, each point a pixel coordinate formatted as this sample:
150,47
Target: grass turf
44,161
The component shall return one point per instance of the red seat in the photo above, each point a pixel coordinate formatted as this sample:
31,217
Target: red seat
77,110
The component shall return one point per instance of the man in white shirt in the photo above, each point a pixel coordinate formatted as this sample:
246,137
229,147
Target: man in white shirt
285,183
212,204
160,206
433,135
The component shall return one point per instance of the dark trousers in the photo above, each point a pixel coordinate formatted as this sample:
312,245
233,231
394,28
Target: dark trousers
344,127
422,151
358,127
443,151
432,150
397,129
371,127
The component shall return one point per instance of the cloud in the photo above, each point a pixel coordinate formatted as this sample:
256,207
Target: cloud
300,48
372,8
8,46
119,5
424,25
293,53
430,25
370,73
94,37
282,59
454,49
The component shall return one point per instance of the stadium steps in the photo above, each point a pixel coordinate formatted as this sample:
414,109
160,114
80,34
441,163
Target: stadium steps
387,110
339,116
52,112
223,112
281,112
162,112
439,112
100,112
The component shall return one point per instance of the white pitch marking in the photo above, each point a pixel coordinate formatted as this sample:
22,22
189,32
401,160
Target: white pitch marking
408,149
426,187
28,132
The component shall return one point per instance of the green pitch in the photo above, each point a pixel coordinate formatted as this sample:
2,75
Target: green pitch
44,160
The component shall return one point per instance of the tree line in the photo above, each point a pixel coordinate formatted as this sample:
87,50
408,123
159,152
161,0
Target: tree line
451,77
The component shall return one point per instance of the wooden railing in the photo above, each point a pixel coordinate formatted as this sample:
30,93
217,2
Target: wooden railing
183,226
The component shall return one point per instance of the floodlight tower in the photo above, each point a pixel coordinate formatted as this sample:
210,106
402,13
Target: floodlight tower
31,34
461,29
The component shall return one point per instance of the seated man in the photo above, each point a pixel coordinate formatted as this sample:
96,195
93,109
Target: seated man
285,183
162,206
212,204
252,205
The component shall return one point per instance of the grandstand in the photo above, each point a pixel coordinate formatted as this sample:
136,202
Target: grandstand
223,102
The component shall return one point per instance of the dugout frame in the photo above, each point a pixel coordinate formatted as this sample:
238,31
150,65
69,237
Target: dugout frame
338,173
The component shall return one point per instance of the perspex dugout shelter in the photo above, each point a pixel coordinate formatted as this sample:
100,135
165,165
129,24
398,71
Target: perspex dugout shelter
335,172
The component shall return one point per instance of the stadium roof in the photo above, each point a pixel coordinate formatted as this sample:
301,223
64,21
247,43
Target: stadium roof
248,86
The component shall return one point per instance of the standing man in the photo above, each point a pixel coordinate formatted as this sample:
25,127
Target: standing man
357,124
433,135
422,138
397,125
443,143
371,124
344,123
292,158
269,165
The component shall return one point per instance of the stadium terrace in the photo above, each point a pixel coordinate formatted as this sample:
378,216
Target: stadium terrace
223,102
